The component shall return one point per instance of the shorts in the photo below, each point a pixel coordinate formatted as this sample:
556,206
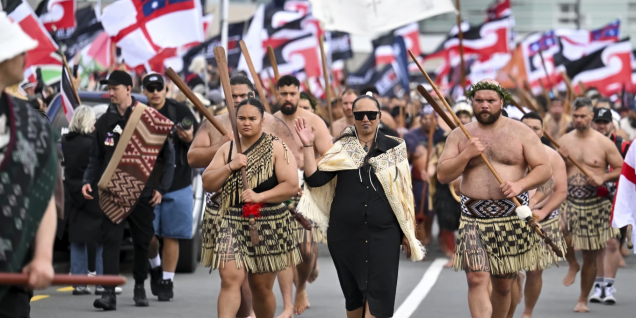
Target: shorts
173,217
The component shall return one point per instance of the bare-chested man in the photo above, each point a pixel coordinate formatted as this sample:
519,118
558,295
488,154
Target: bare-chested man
556,121
546,203
587,215
347,107
288,93
235,298
487,208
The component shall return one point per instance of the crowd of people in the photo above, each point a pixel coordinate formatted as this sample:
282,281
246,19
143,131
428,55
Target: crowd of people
368,181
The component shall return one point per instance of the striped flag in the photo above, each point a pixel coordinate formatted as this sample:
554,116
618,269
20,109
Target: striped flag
69,99
624,212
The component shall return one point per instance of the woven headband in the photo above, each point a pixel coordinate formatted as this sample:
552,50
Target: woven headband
470,93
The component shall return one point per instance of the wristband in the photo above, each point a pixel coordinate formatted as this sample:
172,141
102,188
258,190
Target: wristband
308,146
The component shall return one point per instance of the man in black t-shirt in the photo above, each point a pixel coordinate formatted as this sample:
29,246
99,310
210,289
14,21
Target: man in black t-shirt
173,216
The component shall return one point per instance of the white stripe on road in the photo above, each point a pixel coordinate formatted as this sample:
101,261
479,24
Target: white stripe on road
420,291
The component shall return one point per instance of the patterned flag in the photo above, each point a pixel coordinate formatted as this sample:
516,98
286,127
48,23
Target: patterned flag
69,99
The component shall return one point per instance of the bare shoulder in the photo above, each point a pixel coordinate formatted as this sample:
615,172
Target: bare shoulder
521,129
603,140
456,135
312,118
278,115
553,155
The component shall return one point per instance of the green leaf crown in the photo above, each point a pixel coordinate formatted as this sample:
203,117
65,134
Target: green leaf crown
470,93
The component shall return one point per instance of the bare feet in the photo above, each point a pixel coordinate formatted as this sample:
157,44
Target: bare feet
526,315
581,307
571,275
314,274
451,262
287,313
520,280
621,263
301,304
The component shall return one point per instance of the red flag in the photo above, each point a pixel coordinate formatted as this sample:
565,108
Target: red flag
57,14
25,17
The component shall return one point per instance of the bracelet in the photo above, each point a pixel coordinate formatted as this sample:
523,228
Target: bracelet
308,146
228,165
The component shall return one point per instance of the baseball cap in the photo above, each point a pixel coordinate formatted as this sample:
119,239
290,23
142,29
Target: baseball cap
153,78
118,77
602,114
13,40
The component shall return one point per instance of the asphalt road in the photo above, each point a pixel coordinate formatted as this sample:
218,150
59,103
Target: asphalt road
421,293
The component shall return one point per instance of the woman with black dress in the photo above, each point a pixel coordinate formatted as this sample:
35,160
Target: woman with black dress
272,178
361,189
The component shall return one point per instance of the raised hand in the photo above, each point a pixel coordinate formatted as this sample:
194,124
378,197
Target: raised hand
305,133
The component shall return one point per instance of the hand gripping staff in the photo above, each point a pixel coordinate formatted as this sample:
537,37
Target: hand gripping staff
529,220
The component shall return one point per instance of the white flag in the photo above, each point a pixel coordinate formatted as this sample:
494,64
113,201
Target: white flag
369,17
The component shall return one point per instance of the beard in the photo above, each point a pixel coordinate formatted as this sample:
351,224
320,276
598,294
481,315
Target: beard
490,119
288,108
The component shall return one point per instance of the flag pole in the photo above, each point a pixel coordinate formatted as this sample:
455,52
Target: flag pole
460,34
545,69
70,75
257,80
326,76
225,12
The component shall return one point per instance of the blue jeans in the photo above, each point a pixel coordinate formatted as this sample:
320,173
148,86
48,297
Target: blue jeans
79,259
173,217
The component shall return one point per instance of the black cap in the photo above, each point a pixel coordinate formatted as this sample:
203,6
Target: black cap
154,78
602,114
118,77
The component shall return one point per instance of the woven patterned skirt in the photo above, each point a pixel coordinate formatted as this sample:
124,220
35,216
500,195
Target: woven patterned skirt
301,233
588,222
227,238
551,226
493,239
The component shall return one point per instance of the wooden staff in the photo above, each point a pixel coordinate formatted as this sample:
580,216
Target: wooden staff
545,69
257,81
221,62
545,133
582,88
569,93
326,76
70,77
460,34
18,279
272,60
532,103
170,73
429,149
530,221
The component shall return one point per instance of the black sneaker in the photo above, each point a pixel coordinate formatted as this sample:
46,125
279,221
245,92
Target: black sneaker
156,275
140,296
107,302
165,290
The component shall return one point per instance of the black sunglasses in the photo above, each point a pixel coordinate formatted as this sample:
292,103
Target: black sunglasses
154,88
360,115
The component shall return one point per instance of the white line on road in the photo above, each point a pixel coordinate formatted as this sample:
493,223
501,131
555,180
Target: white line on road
420,291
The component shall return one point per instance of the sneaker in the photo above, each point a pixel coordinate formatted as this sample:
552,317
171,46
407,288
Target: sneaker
609,295
81,290
99,290
165,290
156,275
140,296
599,294
107,302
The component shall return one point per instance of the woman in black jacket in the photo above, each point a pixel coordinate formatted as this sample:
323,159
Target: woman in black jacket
84,218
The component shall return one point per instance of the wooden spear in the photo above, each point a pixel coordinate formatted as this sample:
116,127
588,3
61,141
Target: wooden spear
257,81
460,34
18,279
272,60
325,74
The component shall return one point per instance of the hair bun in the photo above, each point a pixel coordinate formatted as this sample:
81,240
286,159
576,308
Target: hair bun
369,93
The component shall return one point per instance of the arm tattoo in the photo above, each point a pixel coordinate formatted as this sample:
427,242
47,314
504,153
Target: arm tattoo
547,187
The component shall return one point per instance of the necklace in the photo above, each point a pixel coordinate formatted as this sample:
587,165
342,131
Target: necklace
366,144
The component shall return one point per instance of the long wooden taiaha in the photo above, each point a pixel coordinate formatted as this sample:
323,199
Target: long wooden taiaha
460,35
545,69
325,74
554,142
257,80
272,60
19,279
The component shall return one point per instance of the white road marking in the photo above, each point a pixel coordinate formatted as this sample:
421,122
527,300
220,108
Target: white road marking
420,291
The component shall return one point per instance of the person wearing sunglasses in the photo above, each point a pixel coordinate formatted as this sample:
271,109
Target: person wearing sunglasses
367,210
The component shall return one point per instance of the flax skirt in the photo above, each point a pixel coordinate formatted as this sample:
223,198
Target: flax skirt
588,222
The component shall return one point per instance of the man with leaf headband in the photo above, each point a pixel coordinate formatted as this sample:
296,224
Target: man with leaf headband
493,242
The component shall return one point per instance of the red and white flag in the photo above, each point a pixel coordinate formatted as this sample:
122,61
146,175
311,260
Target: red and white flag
142,28
624,212
57,14
498,9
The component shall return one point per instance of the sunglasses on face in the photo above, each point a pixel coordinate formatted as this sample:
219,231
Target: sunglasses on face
154,88
370,115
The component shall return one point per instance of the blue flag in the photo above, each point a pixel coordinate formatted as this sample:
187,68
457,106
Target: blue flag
399,51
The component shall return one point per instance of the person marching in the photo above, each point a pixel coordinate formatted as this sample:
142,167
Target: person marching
107,165
362,192
609,261
347,120
546,202
272,179
288,97
587,215
173,216
235,291
485,250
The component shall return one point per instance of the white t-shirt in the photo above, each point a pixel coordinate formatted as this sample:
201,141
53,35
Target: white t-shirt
627,127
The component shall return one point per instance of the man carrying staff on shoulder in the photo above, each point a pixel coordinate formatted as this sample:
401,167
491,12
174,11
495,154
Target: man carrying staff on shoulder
235,298
486,250
109,129
288,97
587,215
546,202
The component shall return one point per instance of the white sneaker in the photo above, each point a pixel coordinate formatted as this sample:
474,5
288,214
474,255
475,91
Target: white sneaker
100,290
609,295
598,295
118,290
